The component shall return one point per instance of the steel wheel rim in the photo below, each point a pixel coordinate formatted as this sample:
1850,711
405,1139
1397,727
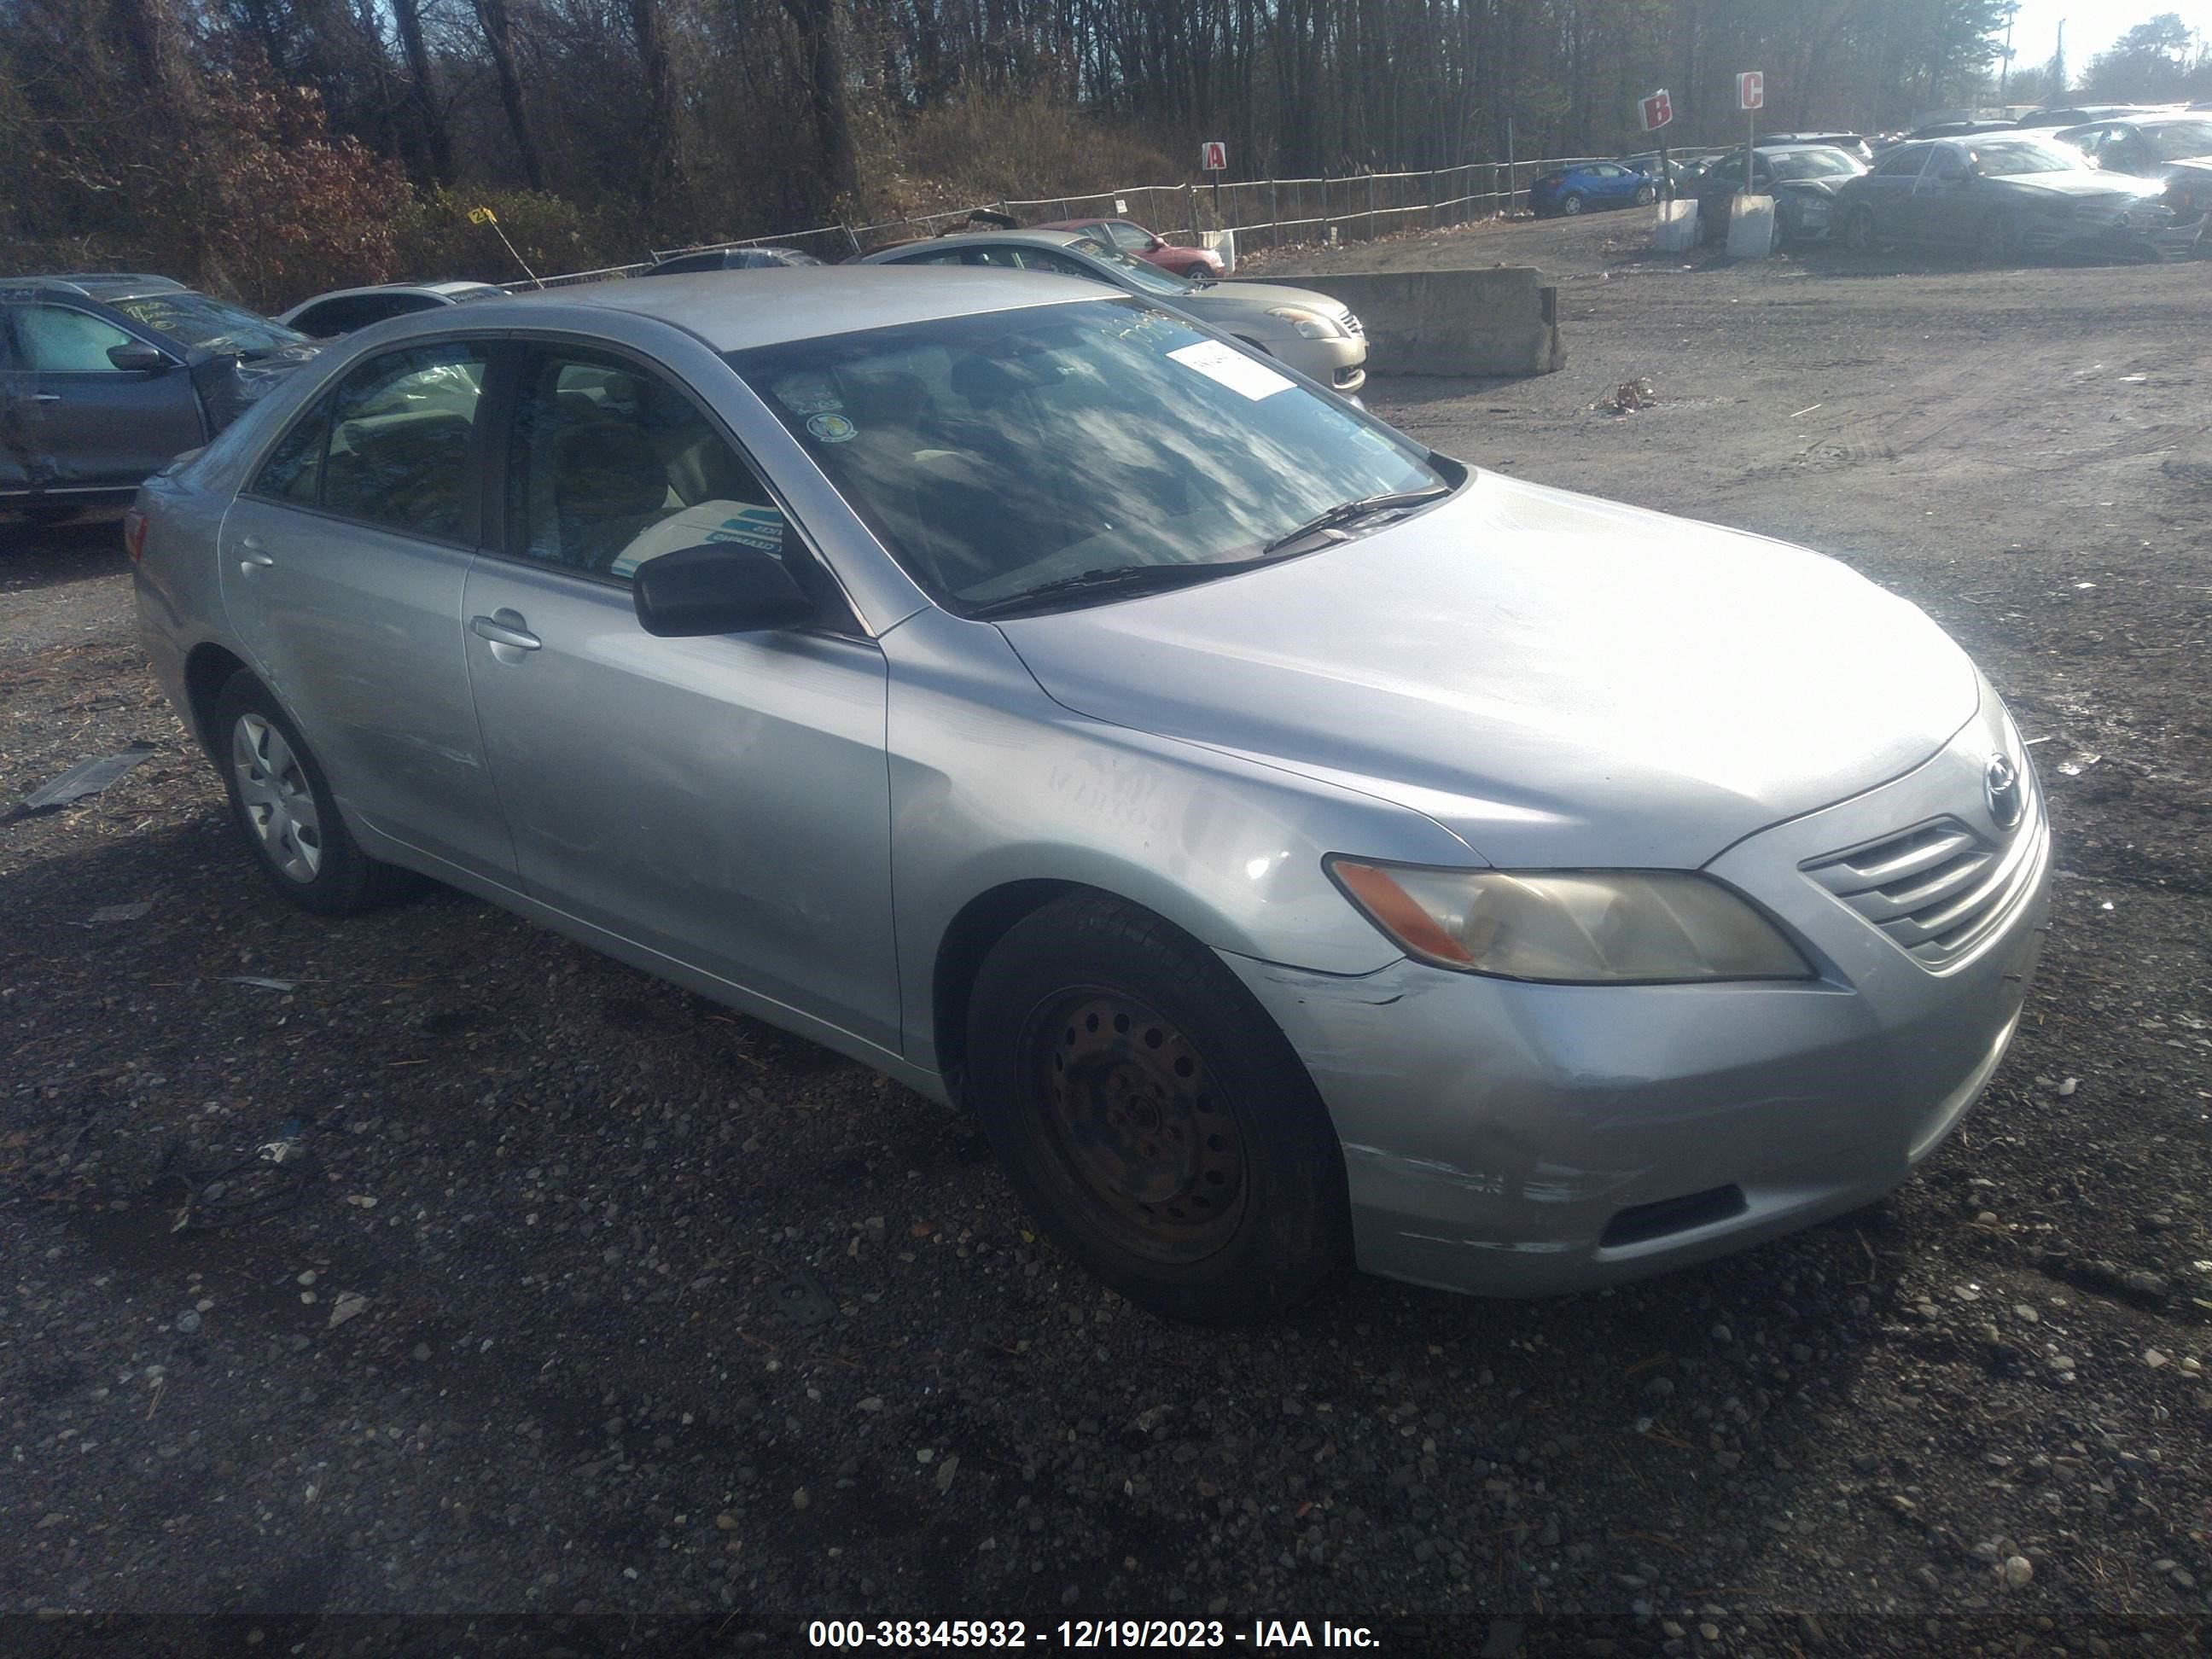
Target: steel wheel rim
1137,1132
1572,204
277,799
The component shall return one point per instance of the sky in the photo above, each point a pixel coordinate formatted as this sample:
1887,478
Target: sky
2091,27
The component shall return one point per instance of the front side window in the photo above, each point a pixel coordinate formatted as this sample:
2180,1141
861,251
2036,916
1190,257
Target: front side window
993,454
612,466
1904,164
398,445
56,340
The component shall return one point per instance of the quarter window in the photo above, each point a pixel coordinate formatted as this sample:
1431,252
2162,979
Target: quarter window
612,466
294,470
59,341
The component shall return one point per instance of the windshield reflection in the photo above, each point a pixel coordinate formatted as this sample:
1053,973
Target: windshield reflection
992,454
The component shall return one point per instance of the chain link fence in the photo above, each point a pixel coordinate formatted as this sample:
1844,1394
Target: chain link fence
1263,213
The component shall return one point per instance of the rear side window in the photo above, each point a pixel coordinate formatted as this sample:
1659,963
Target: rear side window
56,340
358,311
389,446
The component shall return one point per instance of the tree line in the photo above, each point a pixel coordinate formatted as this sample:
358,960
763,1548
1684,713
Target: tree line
264,144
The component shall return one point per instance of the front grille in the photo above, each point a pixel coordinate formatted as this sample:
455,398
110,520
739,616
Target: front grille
1939,889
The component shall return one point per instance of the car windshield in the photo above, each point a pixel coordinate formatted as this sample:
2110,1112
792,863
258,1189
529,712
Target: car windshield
1148,277
2006,158
994,454
206,325
1815,164
2180,141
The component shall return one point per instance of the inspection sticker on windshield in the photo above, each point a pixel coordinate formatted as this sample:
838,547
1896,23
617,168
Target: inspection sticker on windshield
1232,369
832,428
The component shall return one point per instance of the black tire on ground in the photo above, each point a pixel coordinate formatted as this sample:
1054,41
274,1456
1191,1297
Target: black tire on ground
283,811
1152,1117
1996,240
1858,230
1570,202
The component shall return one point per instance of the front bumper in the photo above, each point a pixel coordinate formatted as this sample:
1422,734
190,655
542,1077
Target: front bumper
1511,1138
1339,364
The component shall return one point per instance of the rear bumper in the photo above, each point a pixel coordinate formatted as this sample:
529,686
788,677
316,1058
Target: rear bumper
1510,1139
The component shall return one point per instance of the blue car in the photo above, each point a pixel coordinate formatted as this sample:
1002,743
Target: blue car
1588,185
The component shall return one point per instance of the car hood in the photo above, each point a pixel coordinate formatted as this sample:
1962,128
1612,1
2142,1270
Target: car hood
1559,680
1242,298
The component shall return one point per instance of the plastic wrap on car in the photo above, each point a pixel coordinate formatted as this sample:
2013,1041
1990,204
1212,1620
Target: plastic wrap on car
228,385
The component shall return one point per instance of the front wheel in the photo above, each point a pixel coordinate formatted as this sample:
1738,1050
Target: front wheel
1570,204
1151,1116
1646,195
283,808
1858,230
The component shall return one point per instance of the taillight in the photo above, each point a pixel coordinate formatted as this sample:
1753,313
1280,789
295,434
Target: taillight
134,534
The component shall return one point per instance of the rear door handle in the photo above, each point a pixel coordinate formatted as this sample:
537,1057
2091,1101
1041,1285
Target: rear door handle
44,397
505,629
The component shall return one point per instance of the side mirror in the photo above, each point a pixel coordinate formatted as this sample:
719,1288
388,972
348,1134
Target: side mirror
721,588
139,357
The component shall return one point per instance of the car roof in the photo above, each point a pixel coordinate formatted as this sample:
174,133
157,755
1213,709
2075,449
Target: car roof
737,310
442,289
1038,236
104,285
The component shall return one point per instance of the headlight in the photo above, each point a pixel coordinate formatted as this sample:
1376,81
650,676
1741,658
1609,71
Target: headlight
1310,324
1616,926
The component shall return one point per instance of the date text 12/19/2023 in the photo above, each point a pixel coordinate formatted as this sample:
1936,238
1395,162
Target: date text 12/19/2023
1171,1635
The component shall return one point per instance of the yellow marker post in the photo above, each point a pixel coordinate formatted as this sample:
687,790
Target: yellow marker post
484,215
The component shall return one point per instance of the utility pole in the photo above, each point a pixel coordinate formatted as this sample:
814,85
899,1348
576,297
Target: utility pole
2004,74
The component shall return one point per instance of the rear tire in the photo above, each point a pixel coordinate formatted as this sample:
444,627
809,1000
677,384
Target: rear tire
1646,195
1151,1116
284,810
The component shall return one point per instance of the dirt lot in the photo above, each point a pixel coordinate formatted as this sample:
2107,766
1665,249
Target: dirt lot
667,1313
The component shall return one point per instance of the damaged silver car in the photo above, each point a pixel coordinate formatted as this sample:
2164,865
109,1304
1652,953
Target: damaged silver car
1298,847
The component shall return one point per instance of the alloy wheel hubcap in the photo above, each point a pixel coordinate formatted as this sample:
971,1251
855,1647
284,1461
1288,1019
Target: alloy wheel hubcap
1137,1125
278,802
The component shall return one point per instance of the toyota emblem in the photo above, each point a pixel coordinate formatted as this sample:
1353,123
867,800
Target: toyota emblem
2001,792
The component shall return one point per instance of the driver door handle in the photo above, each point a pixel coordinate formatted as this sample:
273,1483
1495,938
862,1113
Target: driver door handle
506,628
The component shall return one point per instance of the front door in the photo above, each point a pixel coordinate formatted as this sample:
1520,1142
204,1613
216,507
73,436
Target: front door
79,425
343,565
722,802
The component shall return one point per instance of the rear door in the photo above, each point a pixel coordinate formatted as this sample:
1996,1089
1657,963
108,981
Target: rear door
343,564
83,425
723,802
1888,192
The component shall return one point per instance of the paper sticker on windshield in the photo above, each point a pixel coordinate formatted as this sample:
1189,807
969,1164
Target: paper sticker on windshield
832,428
808,393
1233,369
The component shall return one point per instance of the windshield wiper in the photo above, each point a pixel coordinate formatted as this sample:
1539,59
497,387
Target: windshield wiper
1346,513
1126,580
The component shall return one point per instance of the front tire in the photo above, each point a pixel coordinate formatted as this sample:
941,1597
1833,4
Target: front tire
1858,230
1152,1117
1570,204
284,810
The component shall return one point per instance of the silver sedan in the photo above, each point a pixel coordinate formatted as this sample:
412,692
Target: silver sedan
1296,846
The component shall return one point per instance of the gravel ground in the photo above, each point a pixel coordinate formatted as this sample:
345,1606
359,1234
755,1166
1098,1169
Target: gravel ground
576,1295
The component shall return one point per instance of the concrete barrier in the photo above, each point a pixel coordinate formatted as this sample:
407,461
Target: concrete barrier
1500,319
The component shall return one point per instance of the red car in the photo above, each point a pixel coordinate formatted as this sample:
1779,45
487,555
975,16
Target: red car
1136,240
